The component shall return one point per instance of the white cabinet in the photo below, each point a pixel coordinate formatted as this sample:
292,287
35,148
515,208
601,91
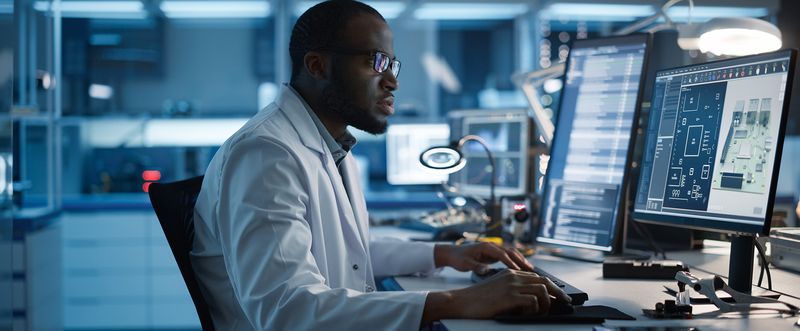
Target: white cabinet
119,273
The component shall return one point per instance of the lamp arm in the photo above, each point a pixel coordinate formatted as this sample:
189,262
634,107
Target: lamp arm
528,82
661,12
493,179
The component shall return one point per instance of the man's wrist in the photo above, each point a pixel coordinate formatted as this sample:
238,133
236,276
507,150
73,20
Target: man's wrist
441,255
438,306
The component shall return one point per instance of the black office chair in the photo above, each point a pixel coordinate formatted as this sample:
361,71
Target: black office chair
174,206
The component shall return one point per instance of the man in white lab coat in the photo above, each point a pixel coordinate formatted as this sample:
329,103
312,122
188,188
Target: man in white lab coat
282,238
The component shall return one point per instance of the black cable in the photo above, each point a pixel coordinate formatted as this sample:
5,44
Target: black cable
761,271
761,263
764,265
645,233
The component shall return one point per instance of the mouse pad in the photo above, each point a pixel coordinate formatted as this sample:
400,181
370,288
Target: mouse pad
582,315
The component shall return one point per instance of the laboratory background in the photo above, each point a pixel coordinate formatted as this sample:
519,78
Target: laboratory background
99,99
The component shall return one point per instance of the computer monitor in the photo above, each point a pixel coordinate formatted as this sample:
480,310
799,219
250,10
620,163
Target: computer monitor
712,150
404,144
581,210
507,133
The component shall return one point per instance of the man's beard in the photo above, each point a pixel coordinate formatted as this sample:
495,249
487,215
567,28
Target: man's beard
336,104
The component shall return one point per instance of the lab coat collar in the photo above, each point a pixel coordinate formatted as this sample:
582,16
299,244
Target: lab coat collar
293,107
353,210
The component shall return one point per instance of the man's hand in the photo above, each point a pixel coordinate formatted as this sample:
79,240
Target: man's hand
477,257
509,291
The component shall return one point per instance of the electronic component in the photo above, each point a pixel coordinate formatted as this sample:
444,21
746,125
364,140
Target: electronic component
751,117
669,309
785,243
745,150
732,180
650,269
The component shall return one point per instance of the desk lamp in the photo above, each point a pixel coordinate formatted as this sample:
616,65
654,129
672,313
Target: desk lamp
450,159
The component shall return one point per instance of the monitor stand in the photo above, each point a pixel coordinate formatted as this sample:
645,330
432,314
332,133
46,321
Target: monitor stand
740,267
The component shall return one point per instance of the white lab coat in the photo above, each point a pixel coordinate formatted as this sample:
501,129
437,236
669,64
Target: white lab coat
278,244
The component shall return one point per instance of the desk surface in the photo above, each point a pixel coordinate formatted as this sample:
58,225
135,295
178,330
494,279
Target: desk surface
629,296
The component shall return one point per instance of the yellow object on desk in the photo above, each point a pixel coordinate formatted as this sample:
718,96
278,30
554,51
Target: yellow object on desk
495,240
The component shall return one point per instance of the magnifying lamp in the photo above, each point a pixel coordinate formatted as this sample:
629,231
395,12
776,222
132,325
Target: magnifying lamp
450,159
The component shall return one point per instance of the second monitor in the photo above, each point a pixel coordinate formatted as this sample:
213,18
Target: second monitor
506,132
583,200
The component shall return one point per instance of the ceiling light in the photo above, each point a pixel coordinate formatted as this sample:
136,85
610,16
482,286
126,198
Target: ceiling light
738,36
388,9
469,11
705,13
100,91
94,9
215,9
595,12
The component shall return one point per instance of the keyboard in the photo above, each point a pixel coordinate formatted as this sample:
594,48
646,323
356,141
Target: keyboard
578,296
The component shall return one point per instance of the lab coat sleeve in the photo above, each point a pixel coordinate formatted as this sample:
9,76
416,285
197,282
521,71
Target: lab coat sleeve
266,245
397,257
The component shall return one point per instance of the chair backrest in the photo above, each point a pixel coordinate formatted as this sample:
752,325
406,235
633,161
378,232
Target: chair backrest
174,206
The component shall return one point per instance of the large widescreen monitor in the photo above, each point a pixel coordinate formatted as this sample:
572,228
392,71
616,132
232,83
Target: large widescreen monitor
404,144
507,133
713,147
592,145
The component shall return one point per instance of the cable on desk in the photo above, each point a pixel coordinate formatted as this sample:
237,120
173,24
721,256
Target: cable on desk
764,264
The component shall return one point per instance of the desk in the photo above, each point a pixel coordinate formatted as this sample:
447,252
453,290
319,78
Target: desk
629,296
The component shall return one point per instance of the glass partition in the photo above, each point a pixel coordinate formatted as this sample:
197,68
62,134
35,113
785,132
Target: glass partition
6,162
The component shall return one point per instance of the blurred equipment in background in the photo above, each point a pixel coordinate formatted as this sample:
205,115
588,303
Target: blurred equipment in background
404,144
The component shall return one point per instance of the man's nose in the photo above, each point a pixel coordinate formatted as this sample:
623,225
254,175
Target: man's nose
389,81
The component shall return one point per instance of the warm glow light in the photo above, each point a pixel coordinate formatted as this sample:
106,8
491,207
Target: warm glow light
146,187
738,42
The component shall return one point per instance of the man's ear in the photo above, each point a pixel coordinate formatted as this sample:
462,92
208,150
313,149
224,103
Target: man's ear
316,65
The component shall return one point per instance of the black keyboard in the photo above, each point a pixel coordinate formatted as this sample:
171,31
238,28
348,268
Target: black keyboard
578,296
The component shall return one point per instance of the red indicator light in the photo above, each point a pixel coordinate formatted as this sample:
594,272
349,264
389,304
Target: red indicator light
146,187
151,175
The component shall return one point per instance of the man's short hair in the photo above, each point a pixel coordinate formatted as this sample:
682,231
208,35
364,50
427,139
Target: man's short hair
320,26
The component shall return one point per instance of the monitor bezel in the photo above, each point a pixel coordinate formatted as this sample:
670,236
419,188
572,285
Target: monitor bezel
617,241
696,223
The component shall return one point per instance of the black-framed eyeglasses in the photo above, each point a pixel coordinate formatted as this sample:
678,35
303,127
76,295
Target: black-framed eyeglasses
380,60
